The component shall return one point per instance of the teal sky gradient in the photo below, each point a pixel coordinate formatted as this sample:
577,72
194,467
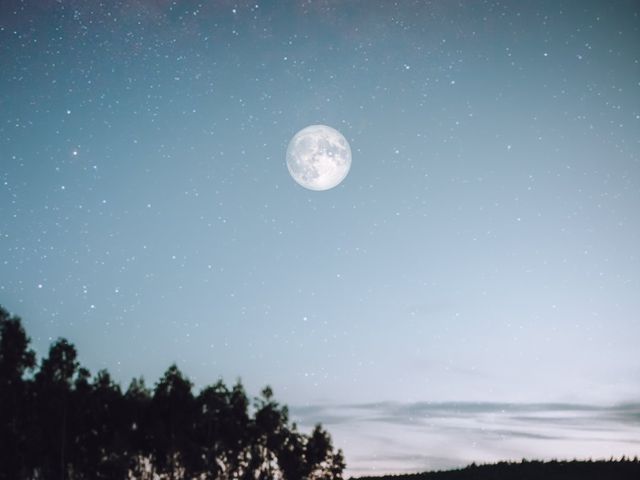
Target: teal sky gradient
484,246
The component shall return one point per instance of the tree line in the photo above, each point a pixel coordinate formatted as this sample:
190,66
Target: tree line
618,469
58,422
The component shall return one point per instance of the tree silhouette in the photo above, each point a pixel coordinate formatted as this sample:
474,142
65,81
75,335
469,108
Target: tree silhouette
62,423
53,402
172,413
324,464
15,360
137,422
270,425
291,456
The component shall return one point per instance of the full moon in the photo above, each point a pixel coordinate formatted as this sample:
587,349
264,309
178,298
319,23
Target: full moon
318,157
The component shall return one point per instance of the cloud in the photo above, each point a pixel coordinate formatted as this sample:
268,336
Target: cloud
389,437
402,413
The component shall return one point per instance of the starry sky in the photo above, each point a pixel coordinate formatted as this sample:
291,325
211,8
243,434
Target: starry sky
483,248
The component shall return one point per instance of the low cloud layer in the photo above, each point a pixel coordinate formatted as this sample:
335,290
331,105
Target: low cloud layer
406,437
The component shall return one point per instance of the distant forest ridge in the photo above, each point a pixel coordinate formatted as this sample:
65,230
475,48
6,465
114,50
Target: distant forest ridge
623,469
57,421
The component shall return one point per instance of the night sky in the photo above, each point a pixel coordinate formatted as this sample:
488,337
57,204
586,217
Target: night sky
478,267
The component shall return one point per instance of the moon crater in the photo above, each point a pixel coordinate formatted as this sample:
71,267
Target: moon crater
318,157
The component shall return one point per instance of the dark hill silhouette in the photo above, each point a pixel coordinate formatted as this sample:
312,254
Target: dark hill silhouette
623,469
